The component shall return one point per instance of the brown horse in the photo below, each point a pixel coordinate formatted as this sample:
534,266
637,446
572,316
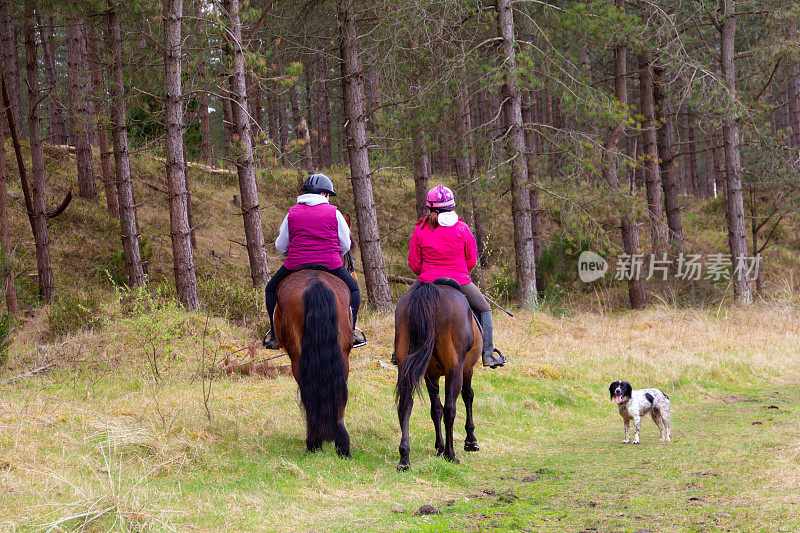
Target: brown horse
436,335
312,323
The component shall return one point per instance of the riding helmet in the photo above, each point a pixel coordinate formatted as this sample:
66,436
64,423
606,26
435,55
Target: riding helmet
318,183
441,198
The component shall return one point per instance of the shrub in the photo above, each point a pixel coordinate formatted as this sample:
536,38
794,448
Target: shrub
233,302
73,311
6,329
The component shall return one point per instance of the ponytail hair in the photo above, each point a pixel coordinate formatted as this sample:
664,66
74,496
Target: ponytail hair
432,219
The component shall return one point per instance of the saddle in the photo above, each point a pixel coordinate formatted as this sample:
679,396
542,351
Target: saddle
453,283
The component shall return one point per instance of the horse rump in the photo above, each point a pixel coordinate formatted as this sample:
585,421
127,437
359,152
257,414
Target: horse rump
420,311
322,379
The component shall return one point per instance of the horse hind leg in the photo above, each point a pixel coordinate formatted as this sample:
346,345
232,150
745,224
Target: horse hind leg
436,411
405,403
470,443
452,385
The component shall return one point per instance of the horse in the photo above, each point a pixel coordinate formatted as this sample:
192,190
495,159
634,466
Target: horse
312,323
436,335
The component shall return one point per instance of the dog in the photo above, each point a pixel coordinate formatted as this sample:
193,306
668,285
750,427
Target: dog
633,404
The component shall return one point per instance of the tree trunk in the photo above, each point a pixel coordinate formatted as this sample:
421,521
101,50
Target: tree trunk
248,187
58,128
666,141
515,147
12,304
301,130
718,186
366,216
696,182
421,171
733,164
99,89
794,89
284,131
8,44
637,294
373,98
127,205
463,149
205,119
39,189
183,261
78,106
658,231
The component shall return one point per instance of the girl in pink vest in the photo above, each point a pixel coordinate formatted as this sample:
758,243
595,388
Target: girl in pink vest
314,232
442,246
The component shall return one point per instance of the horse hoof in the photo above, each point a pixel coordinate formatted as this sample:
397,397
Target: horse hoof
344,455
439,451
471,447
452,460
402,468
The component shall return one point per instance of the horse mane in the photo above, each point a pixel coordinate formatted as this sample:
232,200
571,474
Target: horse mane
322,377
421,305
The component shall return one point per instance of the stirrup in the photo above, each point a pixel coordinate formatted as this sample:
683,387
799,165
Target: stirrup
270,342
359,341
493,361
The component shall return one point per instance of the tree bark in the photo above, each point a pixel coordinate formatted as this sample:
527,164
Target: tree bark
78,106
205,118
696,182
666,141
366,216
794,89
129,230
658,231
8,43
463,149
12,304
58,127
533,182
718,186
515,148
421,171
183,261
637,294
248,187
284,125
322,113
39,189
301,130
733,163
99,90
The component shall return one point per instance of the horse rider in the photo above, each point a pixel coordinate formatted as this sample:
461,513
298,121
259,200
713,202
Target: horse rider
442,246
313,232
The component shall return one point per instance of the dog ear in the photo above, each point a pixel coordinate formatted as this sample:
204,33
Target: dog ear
627,389
611,389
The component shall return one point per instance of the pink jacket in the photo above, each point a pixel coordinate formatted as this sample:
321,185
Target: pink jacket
447,251
313,236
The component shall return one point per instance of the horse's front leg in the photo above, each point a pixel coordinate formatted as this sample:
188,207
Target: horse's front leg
452,386
405,403
436,411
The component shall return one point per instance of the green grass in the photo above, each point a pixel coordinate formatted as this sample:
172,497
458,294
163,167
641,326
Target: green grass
100,441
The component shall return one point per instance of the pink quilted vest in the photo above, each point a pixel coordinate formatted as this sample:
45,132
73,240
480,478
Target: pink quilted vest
313,236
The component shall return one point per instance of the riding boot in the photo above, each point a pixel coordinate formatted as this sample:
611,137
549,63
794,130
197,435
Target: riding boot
359,339
492,357
270,342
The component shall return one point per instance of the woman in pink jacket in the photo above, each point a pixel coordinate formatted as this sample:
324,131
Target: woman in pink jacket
442,246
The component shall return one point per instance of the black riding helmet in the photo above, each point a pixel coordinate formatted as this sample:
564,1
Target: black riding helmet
318,183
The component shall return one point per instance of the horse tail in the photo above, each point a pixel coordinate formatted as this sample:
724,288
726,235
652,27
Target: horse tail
323,383
422,303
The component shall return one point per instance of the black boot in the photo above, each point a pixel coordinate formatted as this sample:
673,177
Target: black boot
359,339
270,342
492,357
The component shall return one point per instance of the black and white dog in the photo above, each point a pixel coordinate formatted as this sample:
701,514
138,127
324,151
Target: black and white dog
633,404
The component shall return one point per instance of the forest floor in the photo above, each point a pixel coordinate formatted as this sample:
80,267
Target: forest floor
99,442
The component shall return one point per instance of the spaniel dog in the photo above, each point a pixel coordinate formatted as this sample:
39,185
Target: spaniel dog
633,404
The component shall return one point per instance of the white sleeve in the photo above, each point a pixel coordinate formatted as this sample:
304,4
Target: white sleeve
282,242
344,232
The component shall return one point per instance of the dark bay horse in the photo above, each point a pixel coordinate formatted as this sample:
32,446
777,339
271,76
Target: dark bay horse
435,335
312,323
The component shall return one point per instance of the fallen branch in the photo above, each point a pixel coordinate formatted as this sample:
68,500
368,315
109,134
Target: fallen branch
204,168
28,373
62,206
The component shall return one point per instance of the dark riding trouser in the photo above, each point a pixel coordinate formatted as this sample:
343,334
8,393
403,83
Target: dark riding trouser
283,273
477,301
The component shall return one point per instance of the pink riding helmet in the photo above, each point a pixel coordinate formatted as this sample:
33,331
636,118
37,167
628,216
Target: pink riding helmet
440,197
